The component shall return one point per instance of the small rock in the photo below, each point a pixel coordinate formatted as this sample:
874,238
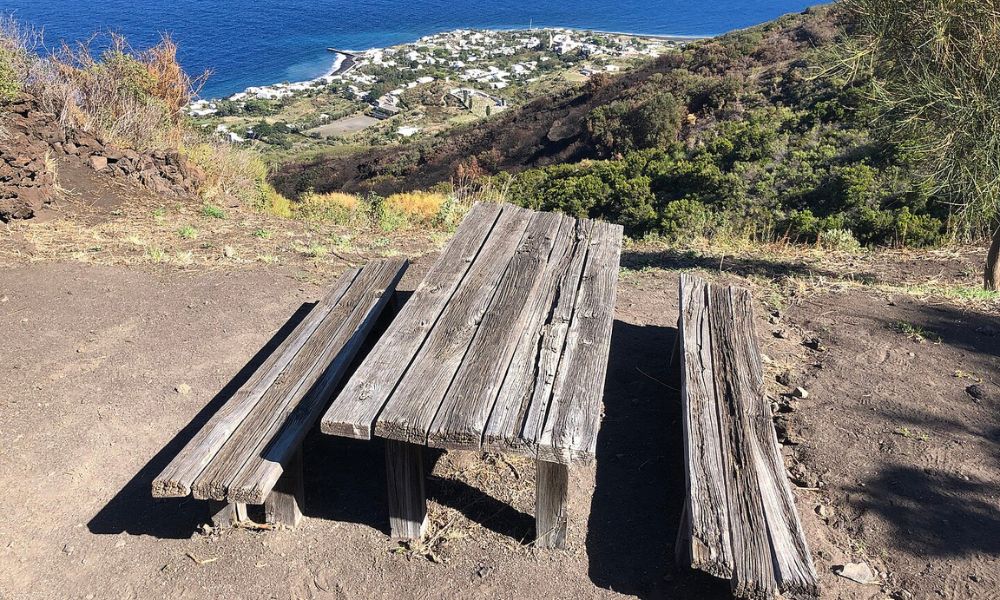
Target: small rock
800,392
814,344
824,511
857,572
67,549
977,392
784,378
98,163
780,334
183,389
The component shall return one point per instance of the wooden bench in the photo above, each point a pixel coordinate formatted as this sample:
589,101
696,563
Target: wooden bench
502,347
740,521
249,452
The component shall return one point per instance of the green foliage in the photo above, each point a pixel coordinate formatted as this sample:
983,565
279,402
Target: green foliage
711,147
212,211
10,83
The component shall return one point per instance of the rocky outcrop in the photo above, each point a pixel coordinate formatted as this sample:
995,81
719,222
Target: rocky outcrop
32,139
26,181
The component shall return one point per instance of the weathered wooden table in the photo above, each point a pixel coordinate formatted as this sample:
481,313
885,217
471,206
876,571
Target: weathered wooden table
502,347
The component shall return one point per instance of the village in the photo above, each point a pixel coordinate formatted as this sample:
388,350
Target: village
383,95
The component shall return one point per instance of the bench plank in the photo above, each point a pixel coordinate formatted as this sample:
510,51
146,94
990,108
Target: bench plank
408,414
462,415
573,421
753,574
793,567
707,522
523,399
355,409
295,382
177,477
366,300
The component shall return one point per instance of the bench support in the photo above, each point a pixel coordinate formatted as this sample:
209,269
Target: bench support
404,467
283,506
226,514
551,514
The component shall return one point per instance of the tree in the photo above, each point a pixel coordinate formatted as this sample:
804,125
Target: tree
935,75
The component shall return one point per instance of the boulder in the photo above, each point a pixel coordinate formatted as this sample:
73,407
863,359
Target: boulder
98,163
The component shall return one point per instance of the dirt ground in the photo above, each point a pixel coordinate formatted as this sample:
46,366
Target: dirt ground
895,463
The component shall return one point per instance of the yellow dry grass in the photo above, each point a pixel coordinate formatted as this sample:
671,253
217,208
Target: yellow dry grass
422,207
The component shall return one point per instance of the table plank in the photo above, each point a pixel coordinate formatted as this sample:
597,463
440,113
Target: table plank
573,420
408,413
355,409
523,401
463,413
286,392
178,476
367,298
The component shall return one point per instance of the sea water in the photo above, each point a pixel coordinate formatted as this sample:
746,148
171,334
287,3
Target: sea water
250,42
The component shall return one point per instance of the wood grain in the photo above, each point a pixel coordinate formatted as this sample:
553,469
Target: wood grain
362,306
356,407
551,504
309,368
706,501
523,401
404,466
410,410
178,476
740,521
574,416
463,413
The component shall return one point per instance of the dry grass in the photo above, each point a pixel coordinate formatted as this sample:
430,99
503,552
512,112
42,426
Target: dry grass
419,207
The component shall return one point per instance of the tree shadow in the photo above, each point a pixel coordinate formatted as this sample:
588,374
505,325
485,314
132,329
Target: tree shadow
673,259
639,491
133,510
934,513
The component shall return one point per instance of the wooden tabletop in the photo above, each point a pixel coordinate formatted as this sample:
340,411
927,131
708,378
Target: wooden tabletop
503,346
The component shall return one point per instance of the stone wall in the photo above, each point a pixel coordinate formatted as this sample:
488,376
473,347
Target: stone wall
31,140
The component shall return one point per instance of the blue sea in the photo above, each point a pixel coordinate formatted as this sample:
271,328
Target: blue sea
248,42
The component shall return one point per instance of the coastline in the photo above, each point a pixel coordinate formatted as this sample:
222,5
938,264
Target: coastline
345,60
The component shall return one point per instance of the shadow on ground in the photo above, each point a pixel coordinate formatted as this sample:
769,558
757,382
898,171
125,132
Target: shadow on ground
934,513
639,489
133,509
743,266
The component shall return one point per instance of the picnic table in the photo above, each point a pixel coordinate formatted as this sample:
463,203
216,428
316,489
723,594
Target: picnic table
503,347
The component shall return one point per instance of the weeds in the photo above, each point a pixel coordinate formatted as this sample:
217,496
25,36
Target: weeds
915,332
913,435
263,234
212,211
187,232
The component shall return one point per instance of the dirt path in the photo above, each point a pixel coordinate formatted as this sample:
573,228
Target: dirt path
92,358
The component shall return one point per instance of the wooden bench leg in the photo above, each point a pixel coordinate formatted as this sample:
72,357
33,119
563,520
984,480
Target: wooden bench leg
226,514
404,465
283,506
682,546
551,492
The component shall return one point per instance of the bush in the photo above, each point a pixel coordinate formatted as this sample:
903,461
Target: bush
838,239
686,220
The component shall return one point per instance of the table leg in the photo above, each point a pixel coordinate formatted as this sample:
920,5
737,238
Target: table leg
404,467
551,491
226,514
283,506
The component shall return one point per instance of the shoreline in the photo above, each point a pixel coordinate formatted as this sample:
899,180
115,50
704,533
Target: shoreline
346,59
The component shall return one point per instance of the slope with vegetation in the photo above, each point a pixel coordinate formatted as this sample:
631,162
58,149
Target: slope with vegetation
763,133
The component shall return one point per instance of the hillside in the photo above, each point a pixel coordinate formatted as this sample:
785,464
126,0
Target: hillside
719,80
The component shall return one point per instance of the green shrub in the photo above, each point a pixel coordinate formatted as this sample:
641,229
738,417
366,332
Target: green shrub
838,239
685,220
